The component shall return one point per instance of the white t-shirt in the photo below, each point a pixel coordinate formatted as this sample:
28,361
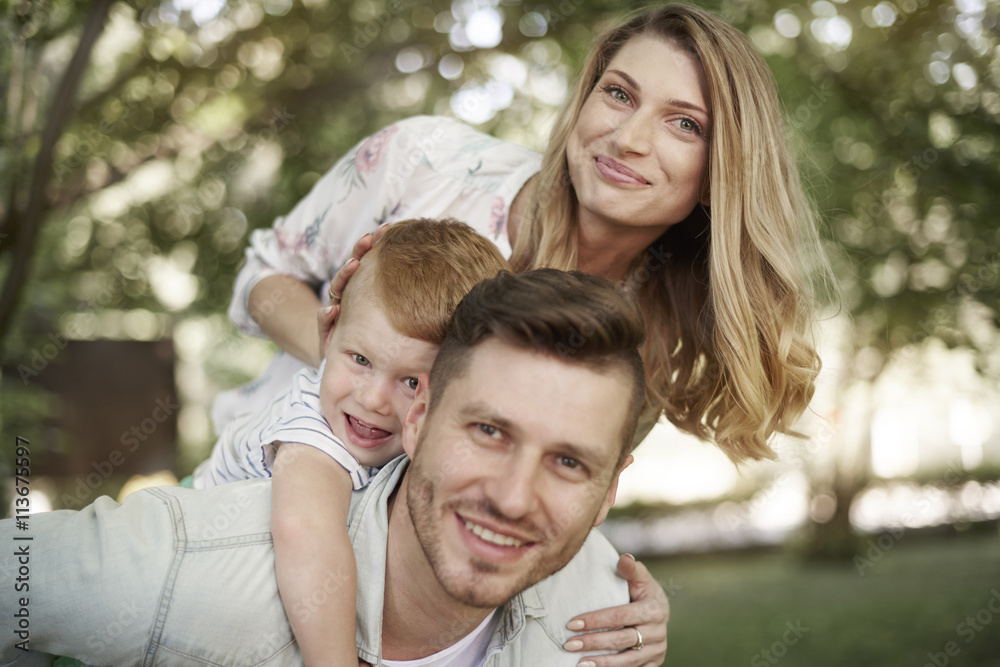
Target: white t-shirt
470,651
245,448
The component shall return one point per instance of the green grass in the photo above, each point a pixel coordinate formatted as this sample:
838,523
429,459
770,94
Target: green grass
727,609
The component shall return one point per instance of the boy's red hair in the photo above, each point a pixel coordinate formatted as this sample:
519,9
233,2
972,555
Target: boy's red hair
420,269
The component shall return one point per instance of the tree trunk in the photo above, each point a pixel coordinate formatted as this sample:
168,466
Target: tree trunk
25,224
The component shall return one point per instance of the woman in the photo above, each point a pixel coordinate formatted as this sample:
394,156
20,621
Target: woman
667,167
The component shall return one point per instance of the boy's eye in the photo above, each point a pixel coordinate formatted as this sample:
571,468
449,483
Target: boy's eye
360,360
411,383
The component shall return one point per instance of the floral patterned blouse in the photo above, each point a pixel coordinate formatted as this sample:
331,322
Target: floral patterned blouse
421,167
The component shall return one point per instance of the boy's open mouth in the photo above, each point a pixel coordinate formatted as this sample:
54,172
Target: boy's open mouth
365,435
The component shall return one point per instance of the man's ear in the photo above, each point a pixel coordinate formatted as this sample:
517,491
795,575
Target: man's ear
414,421
612,493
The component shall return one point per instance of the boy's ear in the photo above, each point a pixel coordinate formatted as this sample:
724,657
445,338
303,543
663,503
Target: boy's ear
329,336
609,500
414,422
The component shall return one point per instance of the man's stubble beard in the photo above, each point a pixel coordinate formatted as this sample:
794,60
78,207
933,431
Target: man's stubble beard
465,582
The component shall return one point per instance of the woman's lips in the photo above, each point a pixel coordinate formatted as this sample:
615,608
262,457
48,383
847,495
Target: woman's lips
617,172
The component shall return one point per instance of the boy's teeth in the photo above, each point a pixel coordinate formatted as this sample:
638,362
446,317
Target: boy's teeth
488,535
367,431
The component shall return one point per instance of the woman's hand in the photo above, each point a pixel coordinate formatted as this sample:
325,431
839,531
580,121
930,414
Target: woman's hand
327,316
646,615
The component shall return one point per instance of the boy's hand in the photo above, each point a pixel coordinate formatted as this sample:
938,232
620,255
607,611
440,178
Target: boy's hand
328,314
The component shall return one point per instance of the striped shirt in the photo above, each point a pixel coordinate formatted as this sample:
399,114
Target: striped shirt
246,450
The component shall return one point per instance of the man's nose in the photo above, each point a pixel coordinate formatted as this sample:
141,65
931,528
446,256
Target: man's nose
516,484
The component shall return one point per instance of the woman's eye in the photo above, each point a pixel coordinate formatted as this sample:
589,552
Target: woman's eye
411,383
689,125
617,93
360,360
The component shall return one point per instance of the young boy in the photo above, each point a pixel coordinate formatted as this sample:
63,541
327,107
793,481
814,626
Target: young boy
329,432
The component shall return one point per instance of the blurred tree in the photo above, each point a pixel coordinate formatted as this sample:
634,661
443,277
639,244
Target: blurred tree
148,130
143,140
896,105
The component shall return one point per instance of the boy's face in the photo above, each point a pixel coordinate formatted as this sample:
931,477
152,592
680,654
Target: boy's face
369,381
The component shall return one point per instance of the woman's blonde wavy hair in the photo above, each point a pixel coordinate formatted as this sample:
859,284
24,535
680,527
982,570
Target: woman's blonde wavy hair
729,355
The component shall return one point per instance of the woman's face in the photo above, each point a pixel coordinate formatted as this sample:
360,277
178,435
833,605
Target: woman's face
638,153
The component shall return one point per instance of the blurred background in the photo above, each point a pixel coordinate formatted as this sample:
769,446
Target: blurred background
142,141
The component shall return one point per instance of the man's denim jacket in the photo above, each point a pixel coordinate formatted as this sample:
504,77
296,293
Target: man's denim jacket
174,576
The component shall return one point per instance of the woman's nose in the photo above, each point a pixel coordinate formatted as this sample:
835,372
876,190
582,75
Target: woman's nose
633,134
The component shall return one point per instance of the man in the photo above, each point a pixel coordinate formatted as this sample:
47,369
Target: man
516,444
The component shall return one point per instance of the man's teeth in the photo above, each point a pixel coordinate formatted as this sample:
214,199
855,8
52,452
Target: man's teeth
489,536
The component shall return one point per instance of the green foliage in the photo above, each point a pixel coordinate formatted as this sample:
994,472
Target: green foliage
185,130
185,136
232,121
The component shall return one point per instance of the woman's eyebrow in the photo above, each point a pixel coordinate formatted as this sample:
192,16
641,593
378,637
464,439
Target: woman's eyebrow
672,101
629,80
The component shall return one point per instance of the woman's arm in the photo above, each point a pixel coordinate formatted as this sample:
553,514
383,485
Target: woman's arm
648,614
357,194
285,308
313,556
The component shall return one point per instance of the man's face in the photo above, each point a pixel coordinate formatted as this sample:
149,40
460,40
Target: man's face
512,469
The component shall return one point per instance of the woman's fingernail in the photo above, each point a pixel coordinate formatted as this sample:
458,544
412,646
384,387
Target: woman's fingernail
587,663
575,625
573,645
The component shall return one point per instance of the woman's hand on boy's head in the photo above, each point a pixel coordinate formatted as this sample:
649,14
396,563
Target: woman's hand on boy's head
328,314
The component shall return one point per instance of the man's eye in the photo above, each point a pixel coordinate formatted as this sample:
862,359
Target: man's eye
491,431
568,462
360,360
411,383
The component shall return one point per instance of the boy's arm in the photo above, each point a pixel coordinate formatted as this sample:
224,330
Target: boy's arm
313,556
